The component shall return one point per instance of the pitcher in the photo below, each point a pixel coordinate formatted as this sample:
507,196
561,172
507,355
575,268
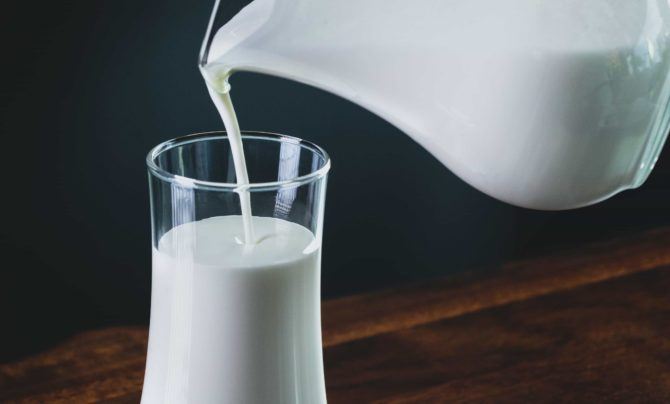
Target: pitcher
545,105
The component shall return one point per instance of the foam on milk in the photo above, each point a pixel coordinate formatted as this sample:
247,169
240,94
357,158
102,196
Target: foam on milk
233,322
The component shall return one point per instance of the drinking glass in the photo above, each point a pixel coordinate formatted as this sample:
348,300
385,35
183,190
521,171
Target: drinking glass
224,328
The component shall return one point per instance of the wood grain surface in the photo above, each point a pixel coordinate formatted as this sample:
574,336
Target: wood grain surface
587,325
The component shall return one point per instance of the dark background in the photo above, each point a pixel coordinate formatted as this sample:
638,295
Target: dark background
90,86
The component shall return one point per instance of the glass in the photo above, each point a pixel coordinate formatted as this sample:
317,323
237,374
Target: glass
235,322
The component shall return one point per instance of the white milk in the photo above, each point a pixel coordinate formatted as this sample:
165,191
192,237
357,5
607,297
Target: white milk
543,104
223,103
232,322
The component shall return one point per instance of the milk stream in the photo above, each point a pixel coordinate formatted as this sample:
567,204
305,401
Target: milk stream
235,323
547,105
221,98
220,95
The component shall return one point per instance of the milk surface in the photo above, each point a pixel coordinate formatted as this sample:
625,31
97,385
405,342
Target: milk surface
542,104
233,322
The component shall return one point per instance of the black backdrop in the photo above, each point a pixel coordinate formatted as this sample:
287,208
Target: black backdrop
90,86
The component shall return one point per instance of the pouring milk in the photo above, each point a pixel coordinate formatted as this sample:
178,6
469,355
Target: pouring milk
546,105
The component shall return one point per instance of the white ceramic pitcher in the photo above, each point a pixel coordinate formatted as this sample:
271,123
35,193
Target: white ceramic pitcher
542,104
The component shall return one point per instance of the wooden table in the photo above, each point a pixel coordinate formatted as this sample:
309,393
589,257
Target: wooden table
578,326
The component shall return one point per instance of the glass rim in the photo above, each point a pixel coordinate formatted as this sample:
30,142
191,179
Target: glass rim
227,186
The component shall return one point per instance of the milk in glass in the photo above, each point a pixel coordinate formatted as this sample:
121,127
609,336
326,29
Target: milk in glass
234,322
